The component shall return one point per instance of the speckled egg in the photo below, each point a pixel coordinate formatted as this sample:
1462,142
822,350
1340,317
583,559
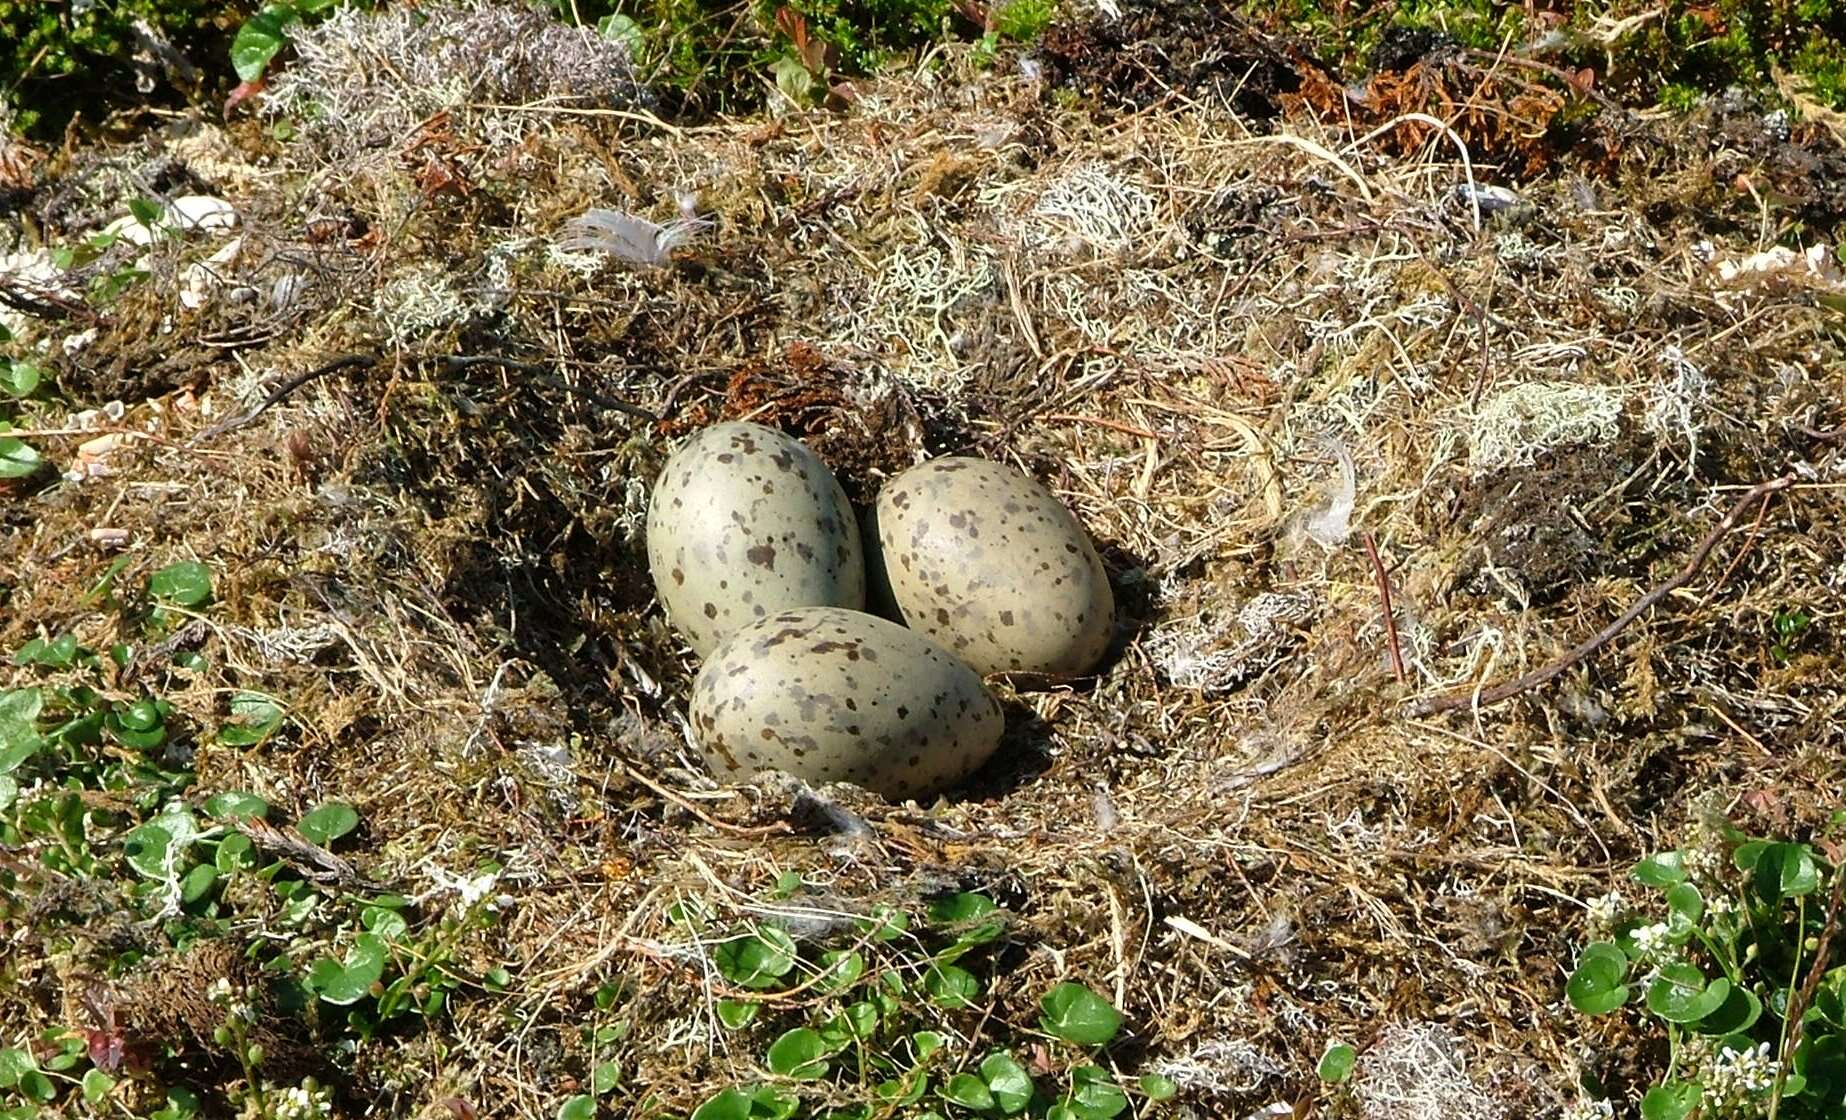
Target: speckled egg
984,560
833,695
745,522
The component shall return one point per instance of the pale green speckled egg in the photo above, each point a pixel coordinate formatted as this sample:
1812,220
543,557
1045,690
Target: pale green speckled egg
987,562
745,522
834,695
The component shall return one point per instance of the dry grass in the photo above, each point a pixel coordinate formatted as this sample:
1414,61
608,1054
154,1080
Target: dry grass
1231,348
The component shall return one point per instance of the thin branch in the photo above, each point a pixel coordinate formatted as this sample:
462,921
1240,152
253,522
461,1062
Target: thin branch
1537,677
281,392
1390,617
542,374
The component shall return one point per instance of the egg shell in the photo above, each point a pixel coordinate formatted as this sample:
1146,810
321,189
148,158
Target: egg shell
986,561
745,522
832,695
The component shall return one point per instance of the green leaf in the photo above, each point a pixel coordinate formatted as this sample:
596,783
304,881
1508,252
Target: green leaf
800,1054
147,848
96,1087
1076,1014
348,982
770,1103
235,853
60,653
235,804
1684,905
1157,1088
18,460
1738,1013
18,379
1673,1100
384,921
1681,994
260,39
926,1043
34,1085
185,584
146,211
255,717
732,1104
1094,1095
1596,986
757,960
9,791
968,1091
736,1014
885,923
840,970
604,1078
951,986
580,1107
1008,1081
14,1064
1336,1064
1661,870
328,823
198,883
1785,871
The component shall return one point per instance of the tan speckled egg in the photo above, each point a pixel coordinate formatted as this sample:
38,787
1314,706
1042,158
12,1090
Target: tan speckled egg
987,562
745,522
833,695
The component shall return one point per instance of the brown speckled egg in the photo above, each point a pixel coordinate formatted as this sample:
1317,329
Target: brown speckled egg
745,522
984,560
833,695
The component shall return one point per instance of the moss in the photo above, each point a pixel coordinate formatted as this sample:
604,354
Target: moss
1688,47
61,58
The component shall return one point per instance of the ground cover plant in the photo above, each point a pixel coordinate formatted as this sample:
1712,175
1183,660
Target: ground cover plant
1461,436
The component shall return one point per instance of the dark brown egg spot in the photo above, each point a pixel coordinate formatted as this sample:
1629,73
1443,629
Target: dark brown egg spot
711,610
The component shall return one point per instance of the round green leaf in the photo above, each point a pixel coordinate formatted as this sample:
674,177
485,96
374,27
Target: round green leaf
736,1014
185,584
886,923
756,960
1661,870
800,1054
1074,1013
840,970
18,460
235,852
235,804
770,1103
1674,1100
1008,1081
1596,986
1094,1095
1336,1064
1684,904
925,1043
580,1107
198,883
968,1091
14,1064
18,379
146,848
1738,1013
348,982
328,823
1786,871
1681,994
604,1078
260,39
1157,1088
96,1087
950,986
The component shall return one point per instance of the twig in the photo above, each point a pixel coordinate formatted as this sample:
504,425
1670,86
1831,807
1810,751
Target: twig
1797,1007
1498,693
281,392
720,825
1390,617
542,374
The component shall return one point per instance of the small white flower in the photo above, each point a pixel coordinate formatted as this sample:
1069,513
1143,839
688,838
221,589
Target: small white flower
1606,910
1650,941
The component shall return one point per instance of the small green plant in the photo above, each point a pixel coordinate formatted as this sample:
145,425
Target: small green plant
1733,955
867,1023
1789,626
